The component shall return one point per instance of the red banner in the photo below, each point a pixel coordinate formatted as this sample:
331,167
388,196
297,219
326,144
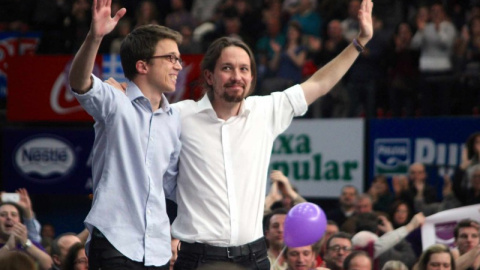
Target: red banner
38,88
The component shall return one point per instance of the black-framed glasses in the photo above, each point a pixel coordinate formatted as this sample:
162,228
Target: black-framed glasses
337,248
170,57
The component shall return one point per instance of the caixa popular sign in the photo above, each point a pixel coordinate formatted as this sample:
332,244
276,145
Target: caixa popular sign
54,160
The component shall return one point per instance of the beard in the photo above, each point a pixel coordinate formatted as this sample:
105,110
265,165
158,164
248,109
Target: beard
233,98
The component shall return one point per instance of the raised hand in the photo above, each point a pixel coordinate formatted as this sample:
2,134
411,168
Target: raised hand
102,22
365,21
25,203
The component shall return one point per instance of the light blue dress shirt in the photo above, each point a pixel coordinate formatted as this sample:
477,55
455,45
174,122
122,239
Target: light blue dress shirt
135,156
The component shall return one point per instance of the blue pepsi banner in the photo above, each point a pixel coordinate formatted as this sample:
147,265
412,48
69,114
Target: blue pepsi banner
394,144
47,161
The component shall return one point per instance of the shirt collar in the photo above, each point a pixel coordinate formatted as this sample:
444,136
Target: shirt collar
133,93
204,104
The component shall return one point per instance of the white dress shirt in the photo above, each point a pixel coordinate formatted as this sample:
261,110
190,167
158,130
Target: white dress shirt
135,157
224,166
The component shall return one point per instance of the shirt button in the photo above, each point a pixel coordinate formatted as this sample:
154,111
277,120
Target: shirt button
149,212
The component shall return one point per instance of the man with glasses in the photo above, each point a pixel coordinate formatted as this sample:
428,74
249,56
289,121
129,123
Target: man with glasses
137,144
339,246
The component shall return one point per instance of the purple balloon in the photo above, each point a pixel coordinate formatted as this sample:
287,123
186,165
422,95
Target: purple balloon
304,225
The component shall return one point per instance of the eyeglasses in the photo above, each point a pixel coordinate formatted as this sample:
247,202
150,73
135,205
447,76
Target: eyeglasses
337,248
170,57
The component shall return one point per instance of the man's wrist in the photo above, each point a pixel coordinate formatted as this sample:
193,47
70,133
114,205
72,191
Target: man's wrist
27,244
358,45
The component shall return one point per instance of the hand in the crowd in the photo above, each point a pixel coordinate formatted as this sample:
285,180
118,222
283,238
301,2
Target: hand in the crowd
274,193
11,243
365,21
19,231
465,163
417,221
25,203
314,43
275,46
447,185
385,224
102,21
119,86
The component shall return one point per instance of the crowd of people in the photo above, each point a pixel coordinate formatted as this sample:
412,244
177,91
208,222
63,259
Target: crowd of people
210,156
422,61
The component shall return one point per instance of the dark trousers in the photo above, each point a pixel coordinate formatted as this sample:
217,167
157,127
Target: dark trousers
103,256
250,256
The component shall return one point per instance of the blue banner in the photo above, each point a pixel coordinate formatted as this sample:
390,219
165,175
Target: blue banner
48,161
394,144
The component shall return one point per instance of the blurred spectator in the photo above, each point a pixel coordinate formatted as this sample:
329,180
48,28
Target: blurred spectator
380,193
402,70
299,258
350,24
179,16
287,62
16,260
400,214
468,55
146,13
418,187
308,18
358,260
123,28
47,234
320,247
449,200
77,25
281,193
468,195
13,235
346,208
60,248
435,39
76,258
339,246
189,45
203,11
274,229
366,74
470,157
50,17
434,257
394,265
335,103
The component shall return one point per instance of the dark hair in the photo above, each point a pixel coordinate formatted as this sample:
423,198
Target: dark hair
140,44
366,222
351,256
268,217
71,257
470,144
21,212
395,205
213,53
342,235
433,249
16,260
297,26
464,223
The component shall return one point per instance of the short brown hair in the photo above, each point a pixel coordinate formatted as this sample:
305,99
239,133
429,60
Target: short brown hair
140,44
213,53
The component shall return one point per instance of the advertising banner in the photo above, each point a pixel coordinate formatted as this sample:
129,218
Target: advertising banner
321,156
39,89
47,161
394,144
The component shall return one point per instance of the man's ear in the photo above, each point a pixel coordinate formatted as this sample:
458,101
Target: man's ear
208,77
141,67
56,260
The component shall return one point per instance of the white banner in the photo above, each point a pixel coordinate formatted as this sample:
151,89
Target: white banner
438,228
321,156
